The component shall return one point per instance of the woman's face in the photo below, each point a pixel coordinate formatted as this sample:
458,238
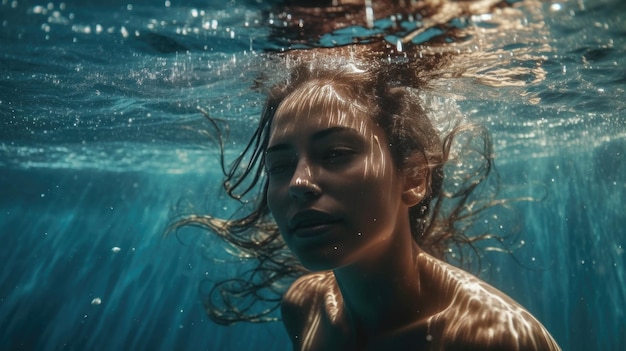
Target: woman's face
333,189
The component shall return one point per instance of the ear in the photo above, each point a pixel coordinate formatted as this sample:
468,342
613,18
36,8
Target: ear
416,180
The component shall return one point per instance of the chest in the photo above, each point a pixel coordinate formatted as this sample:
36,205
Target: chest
324,334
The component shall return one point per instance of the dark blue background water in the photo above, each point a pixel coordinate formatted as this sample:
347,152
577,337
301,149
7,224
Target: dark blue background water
99,145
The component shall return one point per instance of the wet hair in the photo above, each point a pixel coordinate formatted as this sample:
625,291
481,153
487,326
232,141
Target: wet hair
390,94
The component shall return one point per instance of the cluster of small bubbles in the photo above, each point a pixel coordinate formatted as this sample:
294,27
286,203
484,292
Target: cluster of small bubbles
212,24
43,10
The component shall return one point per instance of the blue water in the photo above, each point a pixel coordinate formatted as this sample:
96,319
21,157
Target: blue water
99,148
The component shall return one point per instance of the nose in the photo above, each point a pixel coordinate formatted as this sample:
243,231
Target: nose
303,186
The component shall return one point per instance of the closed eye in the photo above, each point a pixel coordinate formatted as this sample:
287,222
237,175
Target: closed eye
280,167
338,155
280,162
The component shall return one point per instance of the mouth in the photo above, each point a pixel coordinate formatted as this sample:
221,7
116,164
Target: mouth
311,223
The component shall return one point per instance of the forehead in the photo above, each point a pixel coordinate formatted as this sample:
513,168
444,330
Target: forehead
318,105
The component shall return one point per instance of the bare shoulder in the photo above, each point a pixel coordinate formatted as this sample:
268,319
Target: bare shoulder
479,316
306,291
306,297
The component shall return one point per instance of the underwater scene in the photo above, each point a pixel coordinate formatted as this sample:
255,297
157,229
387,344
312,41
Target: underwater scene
104,142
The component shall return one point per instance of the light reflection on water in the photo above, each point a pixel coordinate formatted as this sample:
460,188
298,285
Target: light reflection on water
99,140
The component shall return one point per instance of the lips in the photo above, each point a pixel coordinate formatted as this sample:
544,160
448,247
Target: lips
311,223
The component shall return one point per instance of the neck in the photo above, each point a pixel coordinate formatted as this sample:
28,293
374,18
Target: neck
387,293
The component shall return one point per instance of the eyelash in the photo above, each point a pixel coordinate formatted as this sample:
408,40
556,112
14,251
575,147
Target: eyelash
337,153
279,167
332,156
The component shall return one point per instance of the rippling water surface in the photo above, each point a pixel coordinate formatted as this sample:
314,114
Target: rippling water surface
100,138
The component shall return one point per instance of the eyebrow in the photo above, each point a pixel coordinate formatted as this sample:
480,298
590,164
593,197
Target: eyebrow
318,135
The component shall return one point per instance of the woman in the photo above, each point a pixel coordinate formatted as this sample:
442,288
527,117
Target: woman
354,186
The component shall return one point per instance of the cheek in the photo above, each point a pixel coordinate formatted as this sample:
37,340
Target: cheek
379,195
275,205
372,198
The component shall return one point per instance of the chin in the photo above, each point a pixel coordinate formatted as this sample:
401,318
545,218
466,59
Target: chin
323,262
317,265
320,263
